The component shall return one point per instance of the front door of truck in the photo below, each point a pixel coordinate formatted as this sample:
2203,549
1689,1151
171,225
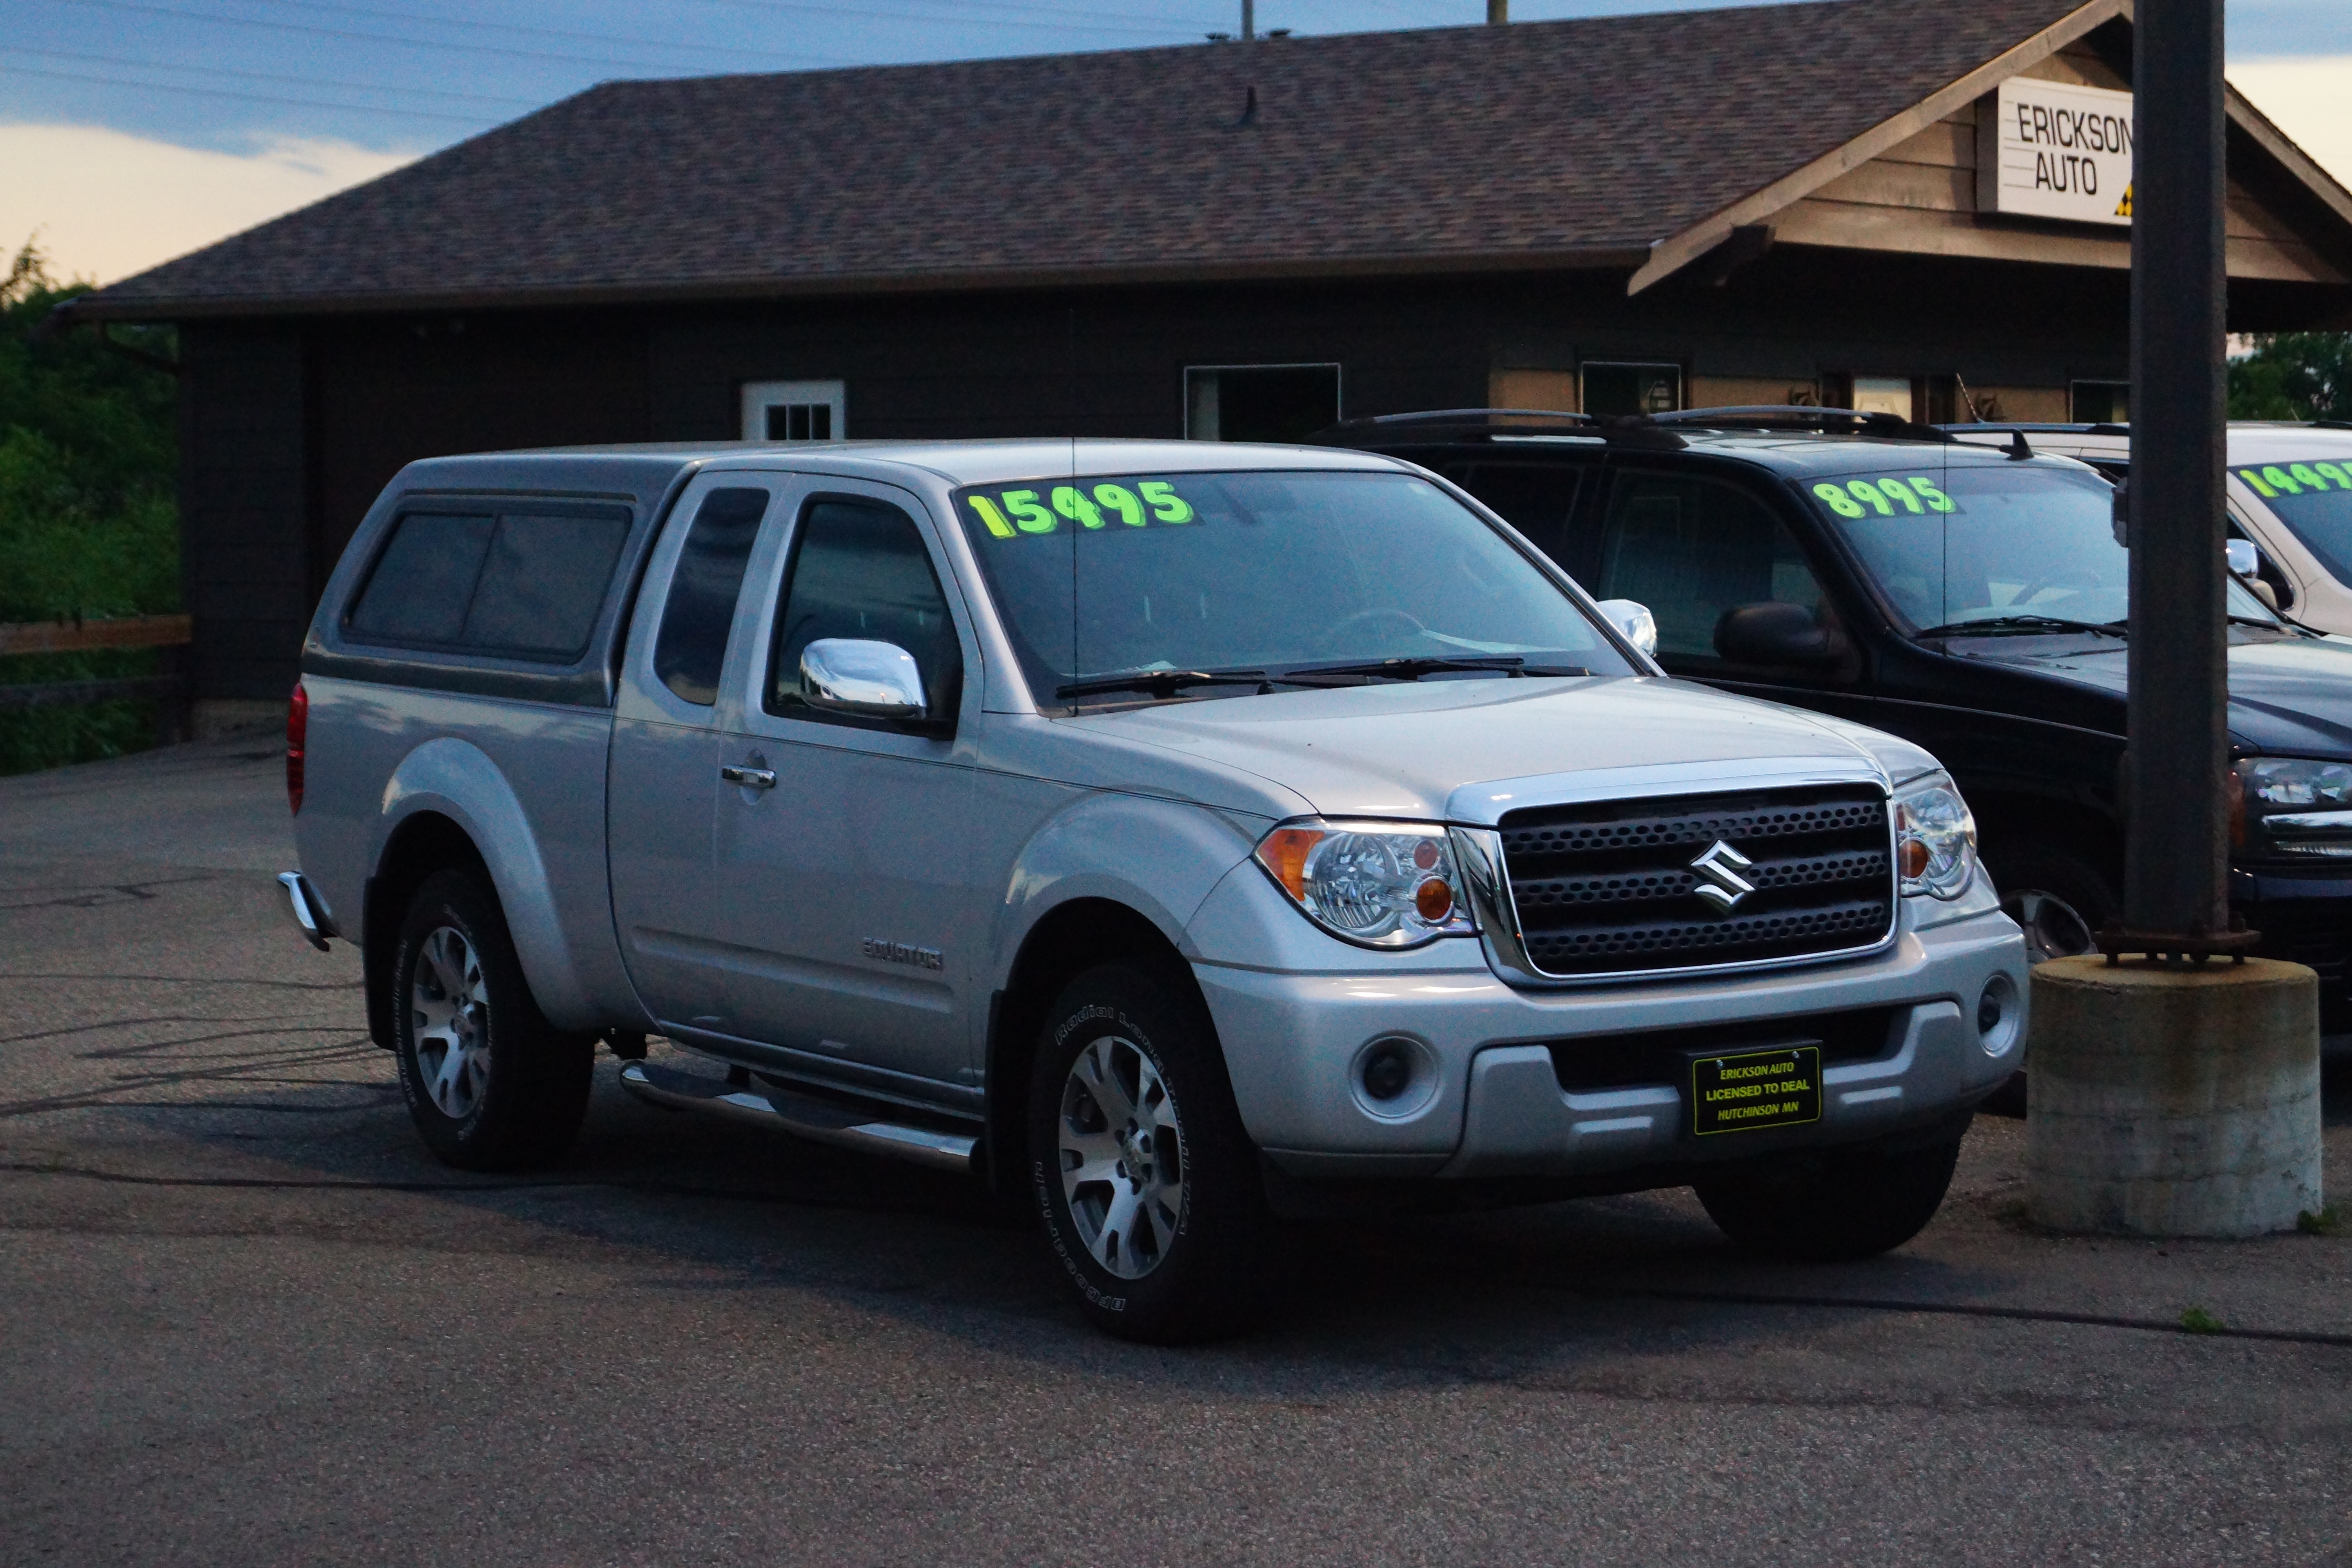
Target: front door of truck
663,786
841,845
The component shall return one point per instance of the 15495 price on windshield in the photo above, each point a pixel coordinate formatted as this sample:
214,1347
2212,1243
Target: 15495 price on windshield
1041,508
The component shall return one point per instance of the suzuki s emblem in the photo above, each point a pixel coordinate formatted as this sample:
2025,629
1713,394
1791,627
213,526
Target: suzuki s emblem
1719,882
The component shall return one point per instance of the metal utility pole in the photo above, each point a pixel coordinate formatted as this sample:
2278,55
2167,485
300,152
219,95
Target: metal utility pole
1249,20
2176,847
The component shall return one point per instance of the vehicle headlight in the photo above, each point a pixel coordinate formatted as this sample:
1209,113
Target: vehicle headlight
1383,884
1935,838
2291,806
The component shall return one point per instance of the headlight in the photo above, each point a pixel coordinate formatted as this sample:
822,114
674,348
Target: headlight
2288,806
1935,837
1384,884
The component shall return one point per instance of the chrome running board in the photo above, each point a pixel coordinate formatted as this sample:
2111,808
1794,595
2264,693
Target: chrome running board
802,1115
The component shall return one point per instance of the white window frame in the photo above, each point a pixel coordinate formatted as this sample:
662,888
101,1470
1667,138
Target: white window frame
758,396
1195,407
1682,378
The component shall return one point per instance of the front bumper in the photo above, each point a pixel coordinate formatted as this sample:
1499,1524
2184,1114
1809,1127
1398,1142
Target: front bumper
2304,918
1492,1104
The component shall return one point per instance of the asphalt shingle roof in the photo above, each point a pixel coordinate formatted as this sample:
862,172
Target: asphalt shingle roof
1457,147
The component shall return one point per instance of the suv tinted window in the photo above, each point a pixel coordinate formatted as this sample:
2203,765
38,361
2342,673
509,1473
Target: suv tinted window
1691,549
701,608
525,583
860,570
1532,497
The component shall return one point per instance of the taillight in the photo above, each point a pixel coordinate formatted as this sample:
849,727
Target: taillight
297,730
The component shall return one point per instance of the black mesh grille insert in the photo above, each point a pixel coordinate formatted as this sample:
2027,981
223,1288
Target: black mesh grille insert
1612,885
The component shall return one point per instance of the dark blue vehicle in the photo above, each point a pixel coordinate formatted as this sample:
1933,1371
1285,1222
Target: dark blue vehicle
1971,598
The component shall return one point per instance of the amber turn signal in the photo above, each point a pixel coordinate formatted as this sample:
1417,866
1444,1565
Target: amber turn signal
1284,852
1435,900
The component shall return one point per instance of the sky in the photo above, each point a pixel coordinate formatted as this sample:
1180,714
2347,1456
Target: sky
134,130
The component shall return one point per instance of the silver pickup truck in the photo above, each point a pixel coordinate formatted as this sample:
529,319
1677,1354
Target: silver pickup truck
1173,835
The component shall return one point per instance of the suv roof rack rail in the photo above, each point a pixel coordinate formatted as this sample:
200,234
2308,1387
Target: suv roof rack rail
2035,427
1803,416
1468,420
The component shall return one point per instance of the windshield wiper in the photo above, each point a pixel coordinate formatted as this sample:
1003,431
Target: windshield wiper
2028,623
1162,682
1414,669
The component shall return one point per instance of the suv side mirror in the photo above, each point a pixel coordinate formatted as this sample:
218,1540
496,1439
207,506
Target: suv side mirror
2246,565
873,679
1776,632
1633,622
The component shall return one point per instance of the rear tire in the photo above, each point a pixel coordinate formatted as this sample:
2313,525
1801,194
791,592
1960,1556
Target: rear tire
490,1084
1832,1206
1144,1182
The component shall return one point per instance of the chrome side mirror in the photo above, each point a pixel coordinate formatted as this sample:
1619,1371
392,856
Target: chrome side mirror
1633,623
873,679
2244,559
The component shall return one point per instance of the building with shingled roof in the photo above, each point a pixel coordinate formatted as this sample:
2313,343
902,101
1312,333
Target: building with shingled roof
1903,205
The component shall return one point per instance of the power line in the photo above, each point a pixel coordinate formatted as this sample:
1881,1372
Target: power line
432,21
248,97
411,42
264,75
1171,29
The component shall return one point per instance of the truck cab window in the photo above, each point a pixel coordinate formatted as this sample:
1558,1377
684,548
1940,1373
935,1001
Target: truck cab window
860,570
1691,549
692,646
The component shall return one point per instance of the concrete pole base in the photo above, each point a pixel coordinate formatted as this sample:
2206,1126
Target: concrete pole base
2173,1101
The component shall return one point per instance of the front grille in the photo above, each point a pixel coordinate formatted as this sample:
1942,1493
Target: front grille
1614,887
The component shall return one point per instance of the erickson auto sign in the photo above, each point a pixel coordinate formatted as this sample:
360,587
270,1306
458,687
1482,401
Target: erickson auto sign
2055,150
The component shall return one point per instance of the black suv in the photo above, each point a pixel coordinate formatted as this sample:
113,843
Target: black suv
1972,599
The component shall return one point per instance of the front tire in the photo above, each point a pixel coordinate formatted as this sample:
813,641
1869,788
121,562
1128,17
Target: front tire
490,1084
1835,1205
1145,1184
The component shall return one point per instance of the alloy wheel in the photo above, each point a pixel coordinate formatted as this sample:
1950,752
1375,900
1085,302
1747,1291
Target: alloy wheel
449,1008
1122,1157
2053,928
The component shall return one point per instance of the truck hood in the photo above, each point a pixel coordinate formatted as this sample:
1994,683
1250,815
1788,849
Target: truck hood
2288,695
1452,749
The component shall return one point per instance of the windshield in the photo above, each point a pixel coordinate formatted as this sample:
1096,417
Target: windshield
1276,572
1991,544
2315,501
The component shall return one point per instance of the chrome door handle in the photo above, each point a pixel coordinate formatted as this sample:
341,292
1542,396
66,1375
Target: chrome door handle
750,778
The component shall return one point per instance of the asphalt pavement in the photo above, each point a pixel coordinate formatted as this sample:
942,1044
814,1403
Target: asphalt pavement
248,1320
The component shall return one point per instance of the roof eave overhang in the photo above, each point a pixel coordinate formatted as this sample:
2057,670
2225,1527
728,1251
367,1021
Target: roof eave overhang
98,308
1676,251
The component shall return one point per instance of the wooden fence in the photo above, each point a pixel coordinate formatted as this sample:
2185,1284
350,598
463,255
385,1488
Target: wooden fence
168,688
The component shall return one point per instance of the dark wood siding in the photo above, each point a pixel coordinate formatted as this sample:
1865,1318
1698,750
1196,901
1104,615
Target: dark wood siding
291,432
244,507
390,392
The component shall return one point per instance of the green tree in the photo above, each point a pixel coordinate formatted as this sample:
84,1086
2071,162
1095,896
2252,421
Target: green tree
89,523
2294,375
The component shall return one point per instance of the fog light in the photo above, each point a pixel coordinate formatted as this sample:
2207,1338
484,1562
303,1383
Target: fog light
1388,1069
1999,1015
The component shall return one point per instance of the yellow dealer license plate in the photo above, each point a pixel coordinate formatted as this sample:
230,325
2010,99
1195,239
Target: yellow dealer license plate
1778,1087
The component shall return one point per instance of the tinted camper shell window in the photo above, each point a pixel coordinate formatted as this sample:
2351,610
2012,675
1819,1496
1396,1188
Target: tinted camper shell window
507,575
